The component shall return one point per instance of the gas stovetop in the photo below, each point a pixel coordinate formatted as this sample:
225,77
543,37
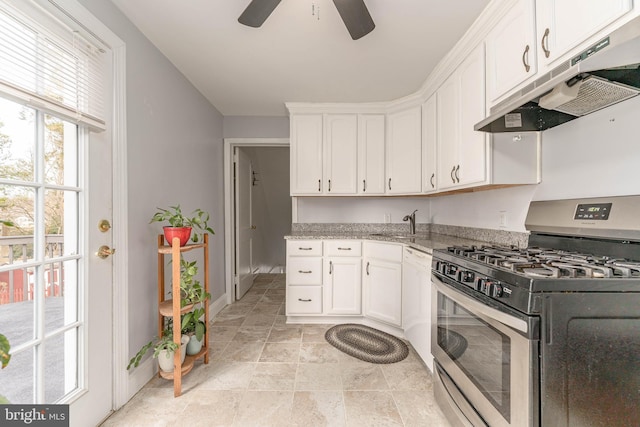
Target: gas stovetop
537,262
519,278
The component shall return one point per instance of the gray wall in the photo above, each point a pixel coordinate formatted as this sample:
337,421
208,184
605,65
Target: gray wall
256,127
174,151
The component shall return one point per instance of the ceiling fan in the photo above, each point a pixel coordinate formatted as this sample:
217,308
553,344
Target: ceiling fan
354,14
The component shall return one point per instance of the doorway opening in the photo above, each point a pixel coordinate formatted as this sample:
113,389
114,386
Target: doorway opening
257,210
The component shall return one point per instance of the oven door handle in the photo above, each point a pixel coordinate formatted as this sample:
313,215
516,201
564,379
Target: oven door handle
480,308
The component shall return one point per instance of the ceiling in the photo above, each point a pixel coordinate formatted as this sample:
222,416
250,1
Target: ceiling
297,56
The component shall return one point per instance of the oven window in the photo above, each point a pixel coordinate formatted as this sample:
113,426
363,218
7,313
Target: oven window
482,352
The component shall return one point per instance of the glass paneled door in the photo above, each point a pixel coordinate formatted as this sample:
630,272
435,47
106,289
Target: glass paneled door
46,257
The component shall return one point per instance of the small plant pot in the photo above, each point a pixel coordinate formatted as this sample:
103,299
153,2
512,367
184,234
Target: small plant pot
182,233
194,345
165,360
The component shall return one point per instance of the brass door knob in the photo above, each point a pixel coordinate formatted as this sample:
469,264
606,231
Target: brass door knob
104,251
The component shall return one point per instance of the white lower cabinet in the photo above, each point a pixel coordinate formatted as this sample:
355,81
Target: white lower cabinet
383,282
304,277
342,274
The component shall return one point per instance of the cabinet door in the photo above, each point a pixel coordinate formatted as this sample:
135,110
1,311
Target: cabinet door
429,142
472,155
564,24
511,50
383,291
342,285
370,154
448,119
404,146
340,153
306,154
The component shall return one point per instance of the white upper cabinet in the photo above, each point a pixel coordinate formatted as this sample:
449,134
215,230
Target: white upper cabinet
404,152
340,153
462,152
306,154
564,24
511,50
429,143
370,154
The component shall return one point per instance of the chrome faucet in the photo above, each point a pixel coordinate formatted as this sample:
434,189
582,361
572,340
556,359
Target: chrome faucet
412,221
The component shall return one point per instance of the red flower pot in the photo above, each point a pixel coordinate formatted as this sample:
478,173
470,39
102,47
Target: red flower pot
182,233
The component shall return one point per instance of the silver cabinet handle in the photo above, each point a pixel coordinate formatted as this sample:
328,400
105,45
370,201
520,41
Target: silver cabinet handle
329,185
453,169
433,175
304,300
525,59
457,176
305,271
364,185
389,183
367,268
344,249
319,184
545,43
305,249
330,267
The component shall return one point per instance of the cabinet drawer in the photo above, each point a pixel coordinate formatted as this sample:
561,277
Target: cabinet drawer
385,251
304,270
304,300
304,247
342,248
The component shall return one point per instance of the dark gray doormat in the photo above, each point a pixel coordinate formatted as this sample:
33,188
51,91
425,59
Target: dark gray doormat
368,344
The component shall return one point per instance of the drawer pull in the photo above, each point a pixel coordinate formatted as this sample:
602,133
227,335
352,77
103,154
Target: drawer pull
304,300
330,267
344,249
305,249
305,271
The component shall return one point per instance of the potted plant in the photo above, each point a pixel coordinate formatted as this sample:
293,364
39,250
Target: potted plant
163,348
195,328
181,225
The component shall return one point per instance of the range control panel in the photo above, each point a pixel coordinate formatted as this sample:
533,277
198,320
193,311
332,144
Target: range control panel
593,211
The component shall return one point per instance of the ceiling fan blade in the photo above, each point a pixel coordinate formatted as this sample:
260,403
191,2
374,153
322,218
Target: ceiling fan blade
356,18
257,12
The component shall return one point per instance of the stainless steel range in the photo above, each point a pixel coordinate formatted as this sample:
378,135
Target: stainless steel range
547,335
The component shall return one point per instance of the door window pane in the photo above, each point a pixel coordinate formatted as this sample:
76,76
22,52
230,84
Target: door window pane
17,206
61,373
17,141
16,305
17,378
61,302
60,151
61,219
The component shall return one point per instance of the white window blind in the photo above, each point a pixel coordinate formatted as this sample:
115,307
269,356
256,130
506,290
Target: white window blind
59,71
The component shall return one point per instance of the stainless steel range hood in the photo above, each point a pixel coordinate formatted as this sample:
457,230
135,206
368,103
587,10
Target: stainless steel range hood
606,73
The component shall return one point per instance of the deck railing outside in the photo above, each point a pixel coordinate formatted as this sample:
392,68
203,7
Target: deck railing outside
17,284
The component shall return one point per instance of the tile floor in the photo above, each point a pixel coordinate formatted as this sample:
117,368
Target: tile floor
263,372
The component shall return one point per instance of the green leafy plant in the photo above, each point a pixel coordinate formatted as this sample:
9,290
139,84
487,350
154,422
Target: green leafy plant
7,223
198,220
4,359
192,325
165,342
191,292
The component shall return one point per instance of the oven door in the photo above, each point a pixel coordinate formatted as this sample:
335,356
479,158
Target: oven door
489,355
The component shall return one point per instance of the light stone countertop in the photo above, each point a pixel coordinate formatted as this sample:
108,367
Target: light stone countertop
425,242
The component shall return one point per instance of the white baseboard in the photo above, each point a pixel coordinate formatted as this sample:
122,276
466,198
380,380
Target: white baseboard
216,306
141,376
